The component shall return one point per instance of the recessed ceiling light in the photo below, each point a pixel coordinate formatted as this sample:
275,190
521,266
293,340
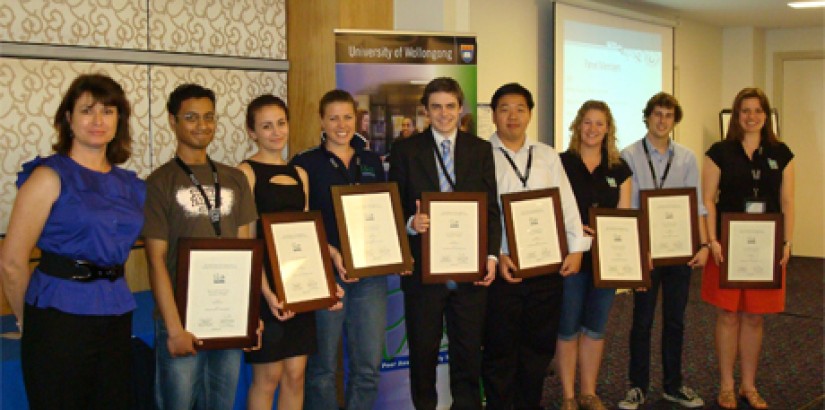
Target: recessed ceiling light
806,4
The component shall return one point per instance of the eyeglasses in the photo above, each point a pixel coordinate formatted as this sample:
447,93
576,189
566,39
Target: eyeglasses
194,118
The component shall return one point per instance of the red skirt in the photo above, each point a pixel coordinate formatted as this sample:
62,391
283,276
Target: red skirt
740,300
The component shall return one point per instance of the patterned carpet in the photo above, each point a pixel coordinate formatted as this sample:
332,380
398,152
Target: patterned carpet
790,374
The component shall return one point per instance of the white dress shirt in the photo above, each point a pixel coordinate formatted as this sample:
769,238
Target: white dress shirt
546,171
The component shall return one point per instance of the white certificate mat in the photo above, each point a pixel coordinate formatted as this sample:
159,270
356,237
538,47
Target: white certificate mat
751,247
454,237
370,222
618,243
218,292
300,260
534,222
670,226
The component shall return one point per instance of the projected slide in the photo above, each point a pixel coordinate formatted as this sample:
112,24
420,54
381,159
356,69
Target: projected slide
603,57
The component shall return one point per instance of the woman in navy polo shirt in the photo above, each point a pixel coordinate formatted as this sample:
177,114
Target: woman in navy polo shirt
84,213
342,159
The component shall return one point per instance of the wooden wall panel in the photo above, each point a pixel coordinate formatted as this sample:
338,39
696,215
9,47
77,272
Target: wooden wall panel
311,55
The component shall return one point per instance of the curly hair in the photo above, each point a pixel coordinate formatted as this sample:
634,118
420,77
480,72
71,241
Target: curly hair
609,141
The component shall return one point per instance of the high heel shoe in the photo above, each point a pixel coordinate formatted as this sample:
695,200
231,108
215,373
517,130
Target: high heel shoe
754,399
727,400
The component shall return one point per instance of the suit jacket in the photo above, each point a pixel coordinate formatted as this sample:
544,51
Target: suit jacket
414,168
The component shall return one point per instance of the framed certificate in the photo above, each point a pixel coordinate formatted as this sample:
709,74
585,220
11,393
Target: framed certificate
672,224
455,246
218,290
619,249
752,245
372,229
300,261
534,226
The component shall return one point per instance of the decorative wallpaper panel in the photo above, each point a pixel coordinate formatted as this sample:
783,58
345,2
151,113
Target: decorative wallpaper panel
93,23
35,88
241,28
234,89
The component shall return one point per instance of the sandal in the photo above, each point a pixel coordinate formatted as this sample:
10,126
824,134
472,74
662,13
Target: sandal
569,404
727,399
591,402
754,399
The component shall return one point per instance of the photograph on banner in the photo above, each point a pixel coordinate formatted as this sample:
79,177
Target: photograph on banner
386,73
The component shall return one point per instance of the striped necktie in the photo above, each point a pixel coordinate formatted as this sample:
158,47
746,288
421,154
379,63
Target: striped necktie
443,183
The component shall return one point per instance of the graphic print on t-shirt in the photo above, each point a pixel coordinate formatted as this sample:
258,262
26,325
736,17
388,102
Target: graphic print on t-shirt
192,203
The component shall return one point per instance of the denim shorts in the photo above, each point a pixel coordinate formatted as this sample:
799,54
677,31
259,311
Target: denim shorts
584,308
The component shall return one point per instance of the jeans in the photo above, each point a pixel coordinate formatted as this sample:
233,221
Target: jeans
675,284
584,307
207,380
365,317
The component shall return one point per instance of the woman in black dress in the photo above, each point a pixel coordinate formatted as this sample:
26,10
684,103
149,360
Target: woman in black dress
288,337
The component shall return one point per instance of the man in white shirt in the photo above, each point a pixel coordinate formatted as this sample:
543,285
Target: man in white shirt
523,314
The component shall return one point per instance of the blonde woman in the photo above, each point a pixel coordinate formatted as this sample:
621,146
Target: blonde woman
600,178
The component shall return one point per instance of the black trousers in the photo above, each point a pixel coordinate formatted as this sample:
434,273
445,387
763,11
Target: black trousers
520,340
75,361
675,284
426,309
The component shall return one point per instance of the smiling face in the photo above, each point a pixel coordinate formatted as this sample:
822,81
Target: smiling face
751,115
512,116
593,128
338,123
444,111
271,131
92,123
194,125
660,122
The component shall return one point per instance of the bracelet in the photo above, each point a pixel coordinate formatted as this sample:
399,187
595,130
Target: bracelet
704,245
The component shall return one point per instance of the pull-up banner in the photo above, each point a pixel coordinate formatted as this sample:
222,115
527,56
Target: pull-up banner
386,72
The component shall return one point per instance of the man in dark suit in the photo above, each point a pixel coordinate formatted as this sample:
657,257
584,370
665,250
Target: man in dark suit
444,159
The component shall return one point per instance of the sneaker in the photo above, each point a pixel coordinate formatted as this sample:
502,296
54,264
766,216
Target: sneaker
633,399
686,397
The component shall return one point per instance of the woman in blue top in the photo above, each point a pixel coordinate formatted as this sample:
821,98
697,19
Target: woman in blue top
84,213
342,159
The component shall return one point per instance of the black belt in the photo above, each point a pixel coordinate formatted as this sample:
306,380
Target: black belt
59,266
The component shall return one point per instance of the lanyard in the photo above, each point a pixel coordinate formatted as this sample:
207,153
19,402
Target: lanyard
522,178
756,172
334,161
214,213
653,171
441,163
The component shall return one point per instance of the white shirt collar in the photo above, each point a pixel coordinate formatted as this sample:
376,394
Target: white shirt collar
495,141
439,137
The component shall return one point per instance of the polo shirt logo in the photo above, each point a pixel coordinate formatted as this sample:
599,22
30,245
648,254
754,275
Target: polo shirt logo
611,182
772,163
367,171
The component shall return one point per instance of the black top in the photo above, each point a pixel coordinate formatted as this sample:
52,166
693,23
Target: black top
598,189
740,175
325,169
274,197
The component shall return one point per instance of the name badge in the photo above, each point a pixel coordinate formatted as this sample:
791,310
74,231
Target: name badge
772,163
611,182
755,206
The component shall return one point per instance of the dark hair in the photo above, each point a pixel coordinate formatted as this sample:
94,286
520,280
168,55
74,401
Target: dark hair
609,141
735,131
262,101
442,84
333,96
663,100
108,92
512,88
184,92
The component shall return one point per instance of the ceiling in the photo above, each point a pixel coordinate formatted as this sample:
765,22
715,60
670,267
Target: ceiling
734,13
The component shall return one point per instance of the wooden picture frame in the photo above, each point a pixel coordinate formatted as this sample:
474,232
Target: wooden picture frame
620,249
541,235
446,256
749,242
668,214
214,278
